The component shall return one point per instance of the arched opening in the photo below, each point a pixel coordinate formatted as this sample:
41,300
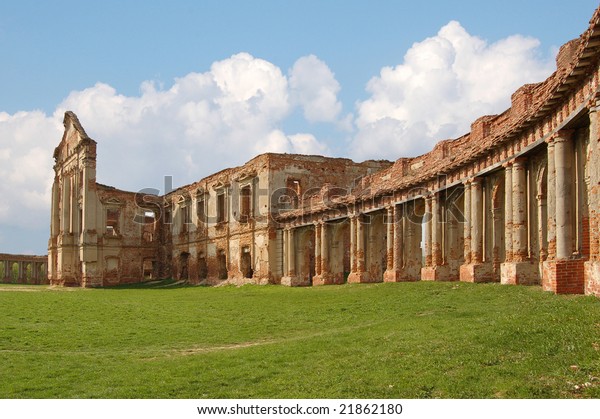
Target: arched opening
28,274
15,272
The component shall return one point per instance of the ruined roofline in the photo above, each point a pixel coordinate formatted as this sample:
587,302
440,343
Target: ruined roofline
101,186
70,116
267,157
308,157
17,257
531,103
537,100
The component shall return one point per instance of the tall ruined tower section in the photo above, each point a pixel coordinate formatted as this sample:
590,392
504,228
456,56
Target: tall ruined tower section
72,248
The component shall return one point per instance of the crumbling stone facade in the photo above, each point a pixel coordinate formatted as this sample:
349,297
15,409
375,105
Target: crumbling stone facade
516,201
222,227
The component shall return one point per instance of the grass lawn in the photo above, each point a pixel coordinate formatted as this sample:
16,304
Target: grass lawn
407,340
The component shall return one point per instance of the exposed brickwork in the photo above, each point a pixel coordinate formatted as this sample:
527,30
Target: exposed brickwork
564,277
497,204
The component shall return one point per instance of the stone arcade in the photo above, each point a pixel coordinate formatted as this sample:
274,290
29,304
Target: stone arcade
516,201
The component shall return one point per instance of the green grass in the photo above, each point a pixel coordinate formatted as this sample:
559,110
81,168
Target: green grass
409,340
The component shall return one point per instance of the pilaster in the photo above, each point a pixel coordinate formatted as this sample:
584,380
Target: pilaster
592,266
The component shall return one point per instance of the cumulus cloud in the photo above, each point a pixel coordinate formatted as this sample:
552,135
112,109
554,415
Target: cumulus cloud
314,88
27,141
445,82
203,123
207,121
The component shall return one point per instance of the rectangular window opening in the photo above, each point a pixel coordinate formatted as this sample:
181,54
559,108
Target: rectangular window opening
221,207
112,222
245,204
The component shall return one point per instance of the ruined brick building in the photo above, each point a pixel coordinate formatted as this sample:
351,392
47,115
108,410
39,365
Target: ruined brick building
516,201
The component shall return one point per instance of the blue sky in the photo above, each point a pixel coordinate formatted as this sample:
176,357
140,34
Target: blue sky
186,88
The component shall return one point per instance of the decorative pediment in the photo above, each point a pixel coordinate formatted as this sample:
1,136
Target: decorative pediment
246,174
222,183
182,199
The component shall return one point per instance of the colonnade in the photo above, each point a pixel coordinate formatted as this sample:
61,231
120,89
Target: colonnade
23,269
519,226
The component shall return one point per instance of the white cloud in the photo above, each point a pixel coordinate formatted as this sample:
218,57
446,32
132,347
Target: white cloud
315,89
225,116
445,83
207,121
27,140
307,144
201,124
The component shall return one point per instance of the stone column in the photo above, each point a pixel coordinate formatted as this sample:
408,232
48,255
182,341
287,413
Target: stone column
390,274
324,249
508,213
284,252
519,204
436,231
474,270
542,224
437,270
360,275
497,234
565,273
476,221
467,224
564,185
399,221
519,270
290,256
551,202
394,272
428,230
360,245
291,253
318,249
322,275
391,222
352,243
